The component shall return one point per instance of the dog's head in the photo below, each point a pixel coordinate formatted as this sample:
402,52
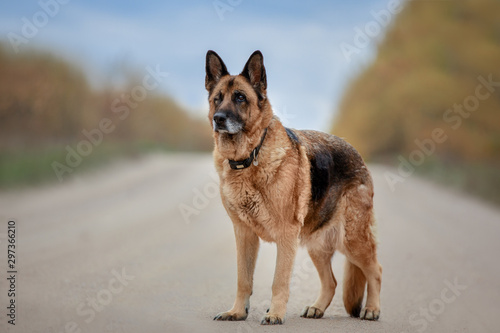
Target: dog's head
238,103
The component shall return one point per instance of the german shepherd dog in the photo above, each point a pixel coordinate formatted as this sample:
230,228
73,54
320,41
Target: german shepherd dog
289,187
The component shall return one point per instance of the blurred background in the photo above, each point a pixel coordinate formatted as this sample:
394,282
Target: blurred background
105,162
86,82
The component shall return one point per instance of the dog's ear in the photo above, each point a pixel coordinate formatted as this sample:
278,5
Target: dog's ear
255,72
215,69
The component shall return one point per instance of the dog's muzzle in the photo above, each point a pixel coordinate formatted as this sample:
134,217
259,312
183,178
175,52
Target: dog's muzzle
224,123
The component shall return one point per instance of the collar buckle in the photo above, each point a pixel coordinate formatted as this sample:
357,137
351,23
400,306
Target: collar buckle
240,165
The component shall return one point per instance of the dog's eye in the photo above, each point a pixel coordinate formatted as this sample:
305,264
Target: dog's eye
217,99
240,98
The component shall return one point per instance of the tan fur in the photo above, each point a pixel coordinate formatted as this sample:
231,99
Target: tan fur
284,199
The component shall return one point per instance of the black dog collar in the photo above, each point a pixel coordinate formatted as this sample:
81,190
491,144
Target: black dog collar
239,165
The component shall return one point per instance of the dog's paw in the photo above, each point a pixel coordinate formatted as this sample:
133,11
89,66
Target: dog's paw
370,313
270,319
311,312
231,316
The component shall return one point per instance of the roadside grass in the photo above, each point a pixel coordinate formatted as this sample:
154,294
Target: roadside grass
478,179
27,167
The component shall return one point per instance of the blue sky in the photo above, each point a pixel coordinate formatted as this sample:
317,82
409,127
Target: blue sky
306,69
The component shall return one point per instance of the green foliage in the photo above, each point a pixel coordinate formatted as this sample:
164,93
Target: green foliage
430,61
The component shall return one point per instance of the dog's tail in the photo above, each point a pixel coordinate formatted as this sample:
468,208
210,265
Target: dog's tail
354,288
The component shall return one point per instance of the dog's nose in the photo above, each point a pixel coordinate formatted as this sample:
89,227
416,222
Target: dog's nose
220,118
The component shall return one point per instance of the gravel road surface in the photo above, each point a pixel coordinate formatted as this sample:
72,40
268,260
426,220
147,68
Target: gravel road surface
146,246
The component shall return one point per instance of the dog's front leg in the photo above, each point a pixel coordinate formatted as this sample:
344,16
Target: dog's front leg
287,249
247,247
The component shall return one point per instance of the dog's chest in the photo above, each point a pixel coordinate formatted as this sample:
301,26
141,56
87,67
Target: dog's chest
252,207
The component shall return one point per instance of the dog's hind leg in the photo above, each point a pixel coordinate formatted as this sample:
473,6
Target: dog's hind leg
247,247
322,259
357,271
361,251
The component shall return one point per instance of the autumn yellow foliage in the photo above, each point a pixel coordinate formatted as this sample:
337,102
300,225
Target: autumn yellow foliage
431,73
45,101
430,60
48,110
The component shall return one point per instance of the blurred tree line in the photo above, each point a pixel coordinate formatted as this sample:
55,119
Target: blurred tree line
437,69
45,100
47,103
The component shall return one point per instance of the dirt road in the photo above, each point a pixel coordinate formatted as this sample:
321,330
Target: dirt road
146,246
